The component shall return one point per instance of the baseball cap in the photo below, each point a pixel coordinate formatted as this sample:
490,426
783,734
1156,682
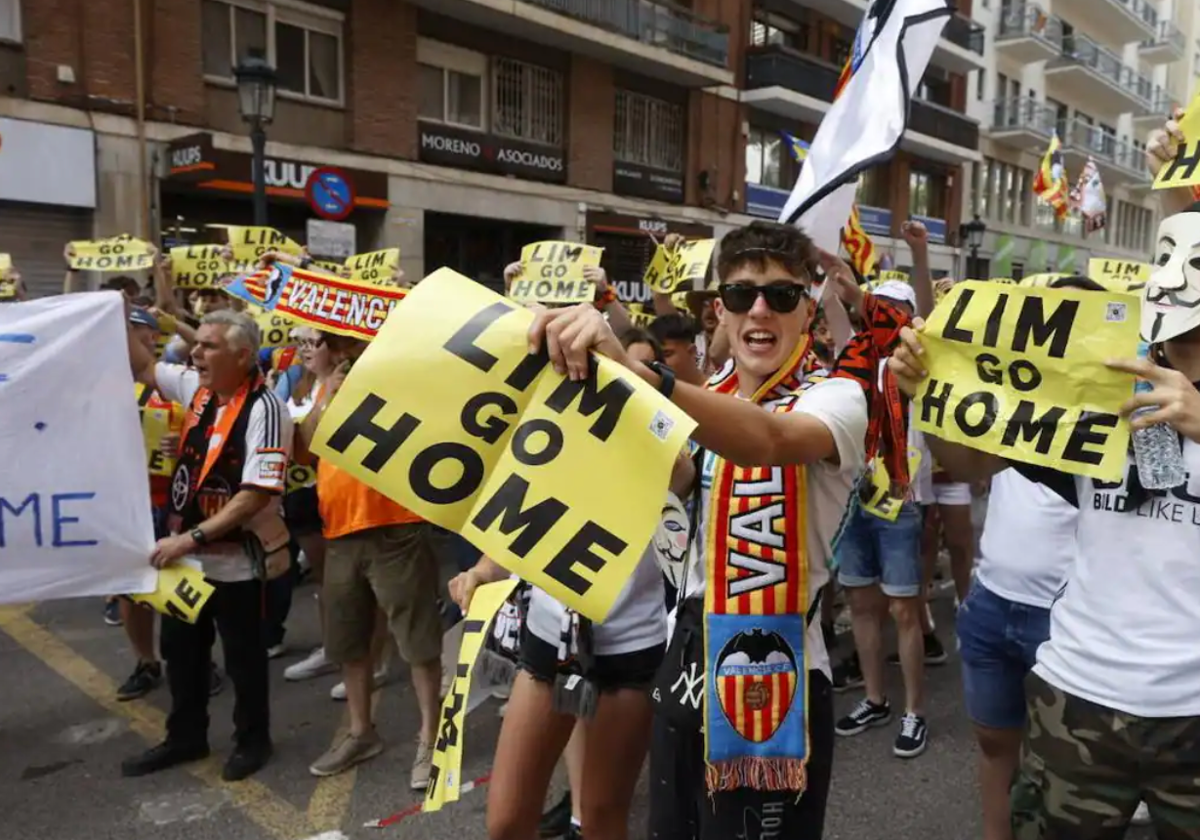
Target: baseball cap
142,318
896,290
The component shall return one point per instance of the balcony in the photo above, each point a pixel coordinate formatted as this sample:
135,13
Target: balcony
1023,124
1167,46
1027,34
1161,104
1118,160
1095,78
961,46
652,38
1115,22
788,83
941,133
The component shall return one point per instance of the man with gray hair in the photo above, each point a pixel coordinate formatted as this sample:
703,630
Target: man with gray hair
224,513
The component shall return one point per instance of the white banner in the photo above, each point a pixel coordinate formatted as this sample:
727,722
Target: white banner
74,491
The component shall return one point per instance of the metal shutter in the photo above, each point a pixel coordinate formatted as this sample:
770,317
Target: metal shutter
35,236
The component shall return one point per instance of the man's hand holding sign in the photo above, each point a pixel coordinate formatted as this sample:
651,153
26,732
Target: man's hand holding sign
497,446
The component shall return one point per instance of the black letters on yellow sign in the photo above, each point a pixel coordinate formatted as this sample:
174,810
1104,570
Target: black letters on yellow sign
1032,323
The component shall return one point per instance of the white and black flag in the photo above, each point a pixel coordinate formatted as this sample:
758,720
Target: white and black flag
865,125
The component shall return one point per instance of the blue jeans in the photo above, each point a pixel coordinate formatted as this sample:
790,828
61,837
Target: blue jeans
872,550
999,639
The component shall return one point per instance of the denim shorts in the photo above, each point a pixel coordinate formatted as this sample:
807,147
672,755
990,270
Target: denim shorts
999,640
872,550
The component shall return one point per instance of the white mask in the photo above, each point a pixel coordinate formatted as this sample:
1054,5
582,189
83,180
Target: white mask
1171,300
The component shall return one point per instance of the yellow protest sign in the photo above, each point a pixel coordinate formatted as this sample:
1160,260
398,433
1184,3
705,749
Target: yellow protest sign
374,267
1039,281
1184,170
1020,373
879,500
449,414
181,592
1119,275
156,425
656,272
276,329
641,319
5,264
688,268
552,272
902,276
202,266
1003,281
445,776
300,476
250,243
117,253
8,286
334,268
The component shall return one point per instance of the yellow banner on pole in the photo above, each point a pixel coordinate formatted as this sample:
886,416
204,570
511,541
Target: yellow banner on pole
1119,275
117,253
445,776
1020,373
552,272
449,414
1184,170
250,243
181,592
376,267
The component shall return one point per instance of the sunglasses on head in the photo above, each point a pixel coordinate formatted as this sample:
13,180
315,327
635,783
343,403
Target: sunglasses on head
782,296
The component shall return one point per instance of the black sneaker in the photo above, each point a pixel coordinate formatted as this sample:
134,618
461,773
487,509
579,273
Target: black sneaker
162,757
557,820
864,716
216,682
144,679
847,674
935,654
913,737
245,762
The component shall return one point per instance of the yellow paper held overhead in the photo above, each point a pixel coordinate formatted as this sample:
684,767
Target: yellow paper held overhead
656,272
5,264
203,266
276,330
688,268
1184,170
552,272
250,243
1119,275
181,592
902,276
1019,372
118,253
375,266
445,776
449,414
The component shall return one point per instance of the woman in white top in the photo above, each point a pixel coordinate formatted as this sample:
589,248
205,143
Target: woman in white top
560,655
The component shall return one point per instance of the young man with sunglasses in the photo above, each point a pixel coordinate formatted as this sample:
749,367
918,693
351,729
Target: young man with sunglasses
747,663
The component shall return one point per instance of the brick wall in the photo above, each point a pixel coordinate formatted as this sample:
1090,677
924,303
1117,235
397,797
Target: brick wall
591,101
381,72
715,146
174,64
49,43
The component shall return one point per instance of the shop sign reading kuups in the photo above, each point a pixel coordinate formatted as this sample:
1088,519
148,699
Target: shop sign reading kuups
447,146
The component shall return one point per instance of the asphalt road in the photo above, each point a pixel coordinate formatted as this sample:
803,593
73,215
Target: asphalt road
63,736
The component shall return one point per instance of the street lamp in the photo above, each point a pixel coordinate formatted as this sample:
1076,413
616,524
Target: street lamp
256,82
972,234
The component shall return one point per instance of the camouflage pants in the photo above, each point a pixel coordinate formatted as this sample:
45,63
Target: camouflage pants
1085,768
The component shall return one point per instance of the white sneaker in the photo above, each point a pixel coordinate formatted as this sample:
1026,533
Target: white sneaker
313,665
1142,815
276,651
338,692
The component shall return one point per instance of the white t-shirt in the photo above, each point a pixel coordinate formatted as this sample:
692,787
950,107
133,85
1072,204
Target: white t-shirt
1126,631
637,621
841,406
1028,542
268,442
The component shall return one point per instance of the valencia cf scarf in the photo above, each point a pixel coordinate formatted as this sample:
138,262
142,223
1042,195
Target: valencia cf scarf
756,697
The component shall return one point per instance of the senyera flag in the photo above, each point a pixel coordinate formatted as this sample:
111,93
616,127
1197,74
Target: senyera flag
318,299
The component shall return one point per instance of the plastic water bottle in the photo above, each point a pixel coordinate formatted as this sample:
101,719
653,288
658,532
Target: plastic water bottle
1156,449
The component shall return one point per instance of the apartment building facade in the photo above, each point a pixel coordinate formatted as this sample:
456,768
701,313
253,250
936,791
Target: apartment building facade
1101,74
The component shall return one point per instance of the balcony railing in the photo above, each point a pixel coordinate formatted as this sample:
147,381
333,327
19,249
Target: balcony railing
943,123
965,33
1082,50
1029,21
1141,9
1086,139
781,66
670,27
1024,114
1169,35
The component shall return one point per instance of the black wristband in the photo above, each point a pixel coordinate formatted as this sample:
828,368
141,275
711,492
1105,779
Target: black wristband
198,537
667,386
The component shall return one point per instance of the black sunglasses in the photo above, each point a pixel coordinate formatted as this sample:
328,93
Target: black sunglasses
782,296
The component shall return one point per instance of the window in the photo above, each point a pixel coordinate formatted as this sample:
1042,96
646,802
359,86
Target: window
302,42
648,131
451,84
1131,226
765,158
979,188
925,194
980,80
527,101
10,20
771,29
840,50
872,187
